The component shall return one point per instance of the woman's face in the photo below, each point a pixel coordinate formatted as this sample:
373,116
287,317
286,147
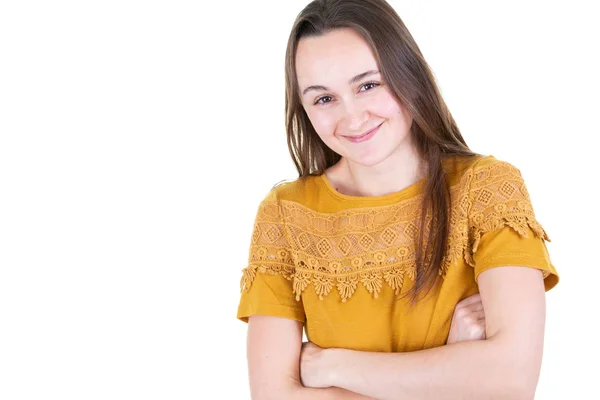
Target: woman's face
344,96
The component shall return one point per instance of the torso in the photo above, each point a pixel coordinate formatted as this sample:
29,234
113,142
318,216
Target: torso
350,259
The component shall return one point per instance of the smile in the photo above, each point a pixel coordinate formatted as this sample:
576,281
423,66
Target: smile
364,137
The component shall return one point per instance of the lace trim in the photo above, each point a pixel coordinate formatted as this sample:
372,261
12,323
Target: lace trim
499,198
375,245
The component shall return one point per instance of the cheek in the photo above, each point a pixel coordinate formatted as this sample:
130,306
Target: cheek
323,122
385,105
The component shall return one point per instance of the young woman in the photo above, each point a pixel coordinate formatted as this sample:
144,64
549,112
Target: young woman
394,239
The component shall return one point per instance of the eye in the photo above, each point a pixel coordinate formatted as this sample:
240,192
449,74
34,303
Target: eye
369,85
322,98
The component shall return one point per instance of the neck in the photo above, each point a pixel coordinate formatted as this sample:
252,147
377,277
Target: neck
401,169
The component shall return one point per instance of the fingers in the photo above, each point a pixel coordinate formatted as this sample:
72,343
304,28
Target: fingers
474,307
478,330
468,317
471,306
482,325
469,300
478,315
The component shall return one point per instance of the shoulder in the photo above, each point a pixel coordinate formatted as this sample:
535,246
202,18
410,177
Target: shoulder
294,190
493,164
469,172
497,175
496,195
286,194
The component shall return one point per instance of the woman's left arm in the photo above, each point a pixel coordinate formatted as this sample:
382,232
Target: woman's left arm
506,365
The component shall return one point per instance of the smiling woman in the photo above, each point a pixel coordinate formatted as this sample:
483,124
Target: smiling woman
351,111
416,267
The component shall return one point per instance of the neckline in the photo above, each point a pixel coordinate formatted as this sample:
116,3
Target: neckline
406,192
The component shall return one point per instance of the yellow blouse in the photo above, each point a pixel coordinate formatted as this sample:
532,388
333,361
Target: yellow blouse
338,262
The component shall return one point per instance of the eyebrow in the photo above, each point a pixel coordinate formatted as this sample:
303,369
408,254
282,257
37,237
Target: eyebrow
350,82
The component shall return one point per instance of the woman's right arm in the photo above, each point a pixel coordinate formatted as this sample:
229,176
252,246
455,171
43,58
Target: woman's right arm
273,349
274,345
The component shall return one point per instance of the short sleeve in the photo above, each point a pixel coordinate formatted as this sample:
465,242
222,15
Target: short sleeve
267,280
503,229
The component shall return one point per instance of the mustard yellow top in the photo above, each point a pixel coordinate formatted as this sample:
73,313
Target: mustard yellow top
338,262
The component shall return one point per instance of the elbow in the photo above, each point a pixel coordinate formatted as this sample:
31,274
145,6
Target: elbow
528,378
515,378
272,392
525,389
264,395
521,393
510,388
518,370
522,383
509,391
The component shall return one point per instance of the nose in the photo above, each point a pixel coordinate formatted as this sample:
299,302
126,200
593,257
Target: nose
355,116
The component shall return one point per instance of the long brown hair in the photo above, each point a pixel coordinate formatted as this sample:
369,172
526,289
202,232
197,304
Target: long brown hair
411,81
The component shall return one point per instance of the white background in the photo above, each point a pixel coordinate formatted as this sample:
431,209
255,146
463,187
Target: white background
137,139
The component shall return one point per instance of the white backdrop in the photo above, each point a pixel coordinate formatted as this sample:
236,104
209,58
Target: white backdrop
137,139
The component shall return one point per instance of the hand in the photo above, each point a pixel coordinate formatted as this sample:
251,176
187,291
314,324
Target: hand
312,369
468,321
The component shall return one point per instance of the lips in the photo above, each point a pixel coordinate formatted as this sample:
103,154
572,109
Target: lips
365,136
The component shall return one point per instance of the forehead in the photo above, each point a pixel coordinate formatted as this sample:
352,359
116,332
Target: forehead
335,56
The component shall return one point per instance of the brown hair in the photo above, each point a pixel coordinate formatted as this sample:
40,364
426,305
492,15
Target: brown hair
411,81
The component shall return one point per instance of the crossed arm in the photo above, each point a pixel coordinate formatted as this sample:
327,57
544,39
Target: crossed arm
505,365
274,346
